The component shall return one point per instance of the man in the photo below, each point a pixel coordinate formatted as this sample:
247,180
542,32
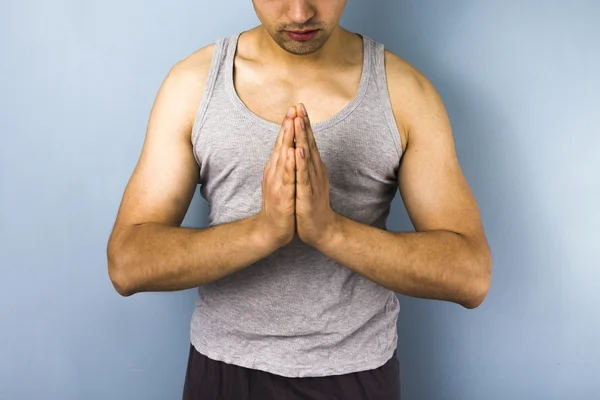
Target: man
299,133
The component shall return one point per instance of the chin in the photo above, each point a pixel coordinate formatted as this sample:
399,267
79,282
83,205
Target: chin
300,47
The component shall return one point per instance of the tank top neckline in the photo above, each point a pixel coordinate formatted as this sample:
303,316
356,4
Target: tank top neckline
324,124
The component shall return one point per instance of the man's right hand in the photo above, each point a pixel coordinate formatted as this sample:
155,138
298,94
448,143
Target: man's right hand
277,216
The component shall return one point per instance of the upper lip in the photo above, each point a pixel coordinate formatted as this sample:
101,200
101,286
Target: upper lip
304,31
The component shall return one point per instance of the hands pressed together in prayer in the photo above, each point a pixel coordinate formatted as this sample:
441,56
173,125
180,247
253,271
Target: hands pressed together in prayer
296,187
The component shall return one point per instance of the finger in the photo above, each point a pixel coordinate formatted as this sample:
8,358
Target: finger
291,114
289,177
312,142
303,183
288,138
305,176
301,138
272,162
300,127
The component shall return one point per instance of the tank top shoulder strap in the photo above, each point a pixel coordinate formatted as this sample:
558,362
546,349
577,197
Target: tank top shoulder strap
377,54
217,64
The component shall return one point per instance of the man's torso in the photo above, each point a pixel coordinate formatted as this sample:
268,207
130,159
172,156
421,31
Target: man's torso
269,91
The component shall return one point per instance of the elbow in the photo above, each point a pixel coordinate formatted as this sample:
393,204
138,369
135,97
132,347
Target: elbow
119,272
480,283
120,281
476,298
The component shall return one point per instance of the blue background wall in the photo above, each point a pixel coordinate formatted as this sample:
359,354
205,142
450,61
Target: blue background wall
520,82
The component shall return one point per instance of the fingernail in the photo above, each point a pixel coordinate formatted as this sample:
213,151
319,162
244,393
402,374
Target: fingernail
301,152
290,112
303,110
302,123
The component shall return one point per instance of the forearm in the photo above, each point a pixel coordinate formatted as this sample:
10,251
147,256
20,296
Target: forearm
154,257
440,265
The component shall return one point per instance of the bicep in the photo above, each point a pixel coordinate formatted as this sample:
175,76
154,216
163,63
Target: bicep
165,177
431,182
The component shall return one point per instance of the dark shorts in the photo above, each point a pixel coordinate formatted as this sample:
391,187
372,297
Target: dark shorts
207,379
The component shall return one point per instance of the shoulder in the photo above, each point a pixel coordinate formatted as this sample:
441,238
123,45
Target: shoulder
191,73
412,95
182,89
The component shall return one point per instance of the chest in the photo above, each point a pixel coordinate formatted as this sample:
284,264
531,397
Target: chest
269,93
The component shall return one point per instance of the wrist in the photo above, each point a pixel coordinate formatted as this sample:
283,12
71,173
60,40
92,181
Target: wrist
264,236
333,234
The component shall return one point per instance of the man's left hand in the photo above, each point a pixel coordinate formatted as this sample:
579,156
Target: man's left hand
316,222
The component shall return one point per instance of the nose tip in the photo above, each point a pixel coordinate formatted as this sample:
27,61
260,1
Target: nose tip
301,11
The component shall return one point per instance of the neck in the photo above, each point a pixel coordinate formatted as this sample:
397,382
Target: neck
332,52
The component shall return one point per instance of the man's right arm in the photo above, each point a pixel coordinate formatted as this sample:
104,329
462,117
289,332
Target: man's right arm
148,250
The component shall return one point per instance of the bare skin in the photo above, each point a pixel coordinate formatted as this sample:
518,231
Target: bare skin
447,258
148,249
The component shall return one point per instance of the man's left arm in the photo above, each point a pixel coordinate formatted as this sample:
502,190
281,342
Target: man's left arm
447,257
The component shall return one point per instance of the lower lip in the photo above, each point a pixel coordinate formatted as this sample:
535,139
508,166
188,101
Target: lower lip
302,36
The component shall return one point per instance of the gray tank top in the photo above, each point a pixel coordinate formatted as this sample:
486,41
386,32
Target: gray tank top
297,313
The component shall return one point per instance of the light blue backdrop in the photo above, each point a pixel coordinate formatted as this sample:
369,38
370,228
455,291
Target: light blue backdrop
521,84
